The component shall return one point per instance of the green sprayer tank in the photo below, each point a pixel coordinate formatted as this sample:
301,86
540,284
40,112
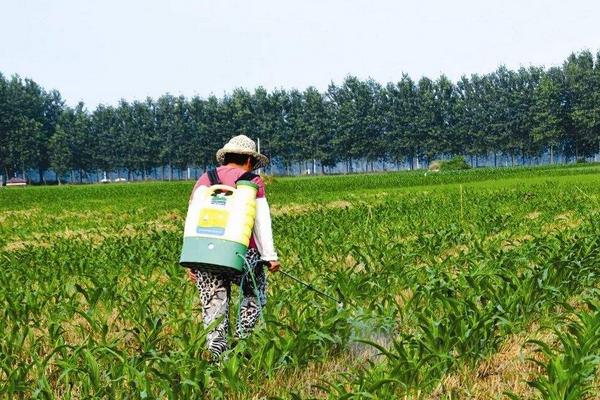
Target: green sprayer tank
218,226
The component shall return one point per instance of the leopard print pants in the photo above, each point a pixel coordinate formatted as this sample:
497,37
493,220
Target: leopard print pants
215,291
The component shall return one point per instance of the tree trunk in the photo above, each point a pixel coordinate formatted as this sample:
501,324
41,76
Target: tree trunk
495,159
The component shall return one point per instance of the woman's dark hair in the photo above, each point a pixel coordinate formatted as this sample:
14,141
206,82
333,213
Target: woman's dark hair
239,159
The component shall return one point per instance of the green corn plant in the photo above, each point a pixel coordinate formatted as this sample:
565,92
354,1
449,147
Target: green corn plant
570,370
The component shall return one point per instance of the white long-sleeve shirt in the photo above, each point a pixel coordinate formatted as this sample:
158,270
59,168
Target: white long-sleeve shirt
263,233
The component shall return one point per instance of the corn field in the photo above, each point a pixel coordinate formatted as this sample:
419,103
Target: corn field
473,284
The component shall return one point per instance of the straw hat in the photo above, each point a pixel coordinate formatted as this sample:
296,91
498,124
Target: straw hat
242,144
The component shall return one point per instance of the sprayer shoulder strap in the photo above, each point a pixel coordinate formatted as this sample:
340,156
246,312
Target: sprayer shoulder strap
246,176
213,177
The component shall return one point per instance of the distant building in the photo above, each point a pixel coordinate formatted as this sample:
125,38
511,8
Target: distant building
16,182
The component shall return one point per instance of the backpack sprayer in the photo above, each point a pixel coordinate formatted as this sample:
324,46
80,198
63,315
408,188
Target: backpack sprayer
218,226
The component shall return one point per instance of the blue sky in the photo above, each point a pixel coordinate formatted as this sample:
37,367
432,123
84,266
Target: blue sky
102,51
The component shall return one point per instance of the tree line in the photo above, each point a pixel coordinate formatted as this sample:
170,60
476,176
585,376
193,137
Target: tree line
521,114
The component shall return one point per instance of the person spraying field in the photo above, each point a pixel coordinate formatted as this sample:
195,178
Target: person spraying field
228,239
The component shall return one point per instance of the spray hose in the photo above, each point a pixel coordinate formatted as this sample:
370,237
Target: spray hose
249,270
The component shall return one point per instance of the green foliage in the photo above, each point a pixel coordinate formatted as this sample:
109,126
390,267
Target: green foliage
93,303
457,163
570,370
522,114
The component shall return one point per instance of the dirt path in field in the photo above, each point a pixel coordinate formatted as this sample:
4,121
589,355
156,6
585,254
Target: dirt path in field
173,221
299,209
170,221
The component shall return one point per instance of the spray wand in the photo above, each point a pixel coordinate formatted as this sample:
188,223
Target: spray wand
339,303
